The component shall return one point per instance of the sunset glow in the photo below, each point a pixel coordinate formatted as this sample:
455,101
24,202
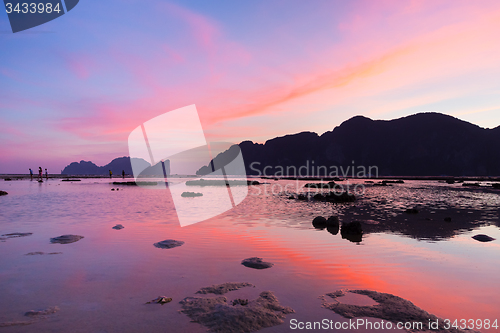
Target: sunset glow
75,88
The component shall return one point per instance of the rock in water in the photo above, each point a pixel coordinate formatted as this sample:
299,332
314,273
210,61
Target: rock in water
333,229
168,244
391,308
333,221
45,312
483,238
256,263
319,222
17,234
160,300
118,227
411,211
66,239
221,289
191,194
3,193
220,316
352,231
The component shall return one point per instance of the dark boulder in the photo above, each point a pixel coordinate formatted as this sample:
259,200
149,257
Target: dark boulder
65,239
3,193
352,231
333,229
333,221
483,238
319,222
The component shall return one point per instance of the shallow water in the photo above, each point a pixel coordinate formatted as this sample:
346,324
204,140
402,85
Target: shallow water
101,282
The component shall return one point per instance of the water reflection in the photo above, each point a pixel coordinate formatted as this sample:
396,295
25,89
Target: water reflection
111,274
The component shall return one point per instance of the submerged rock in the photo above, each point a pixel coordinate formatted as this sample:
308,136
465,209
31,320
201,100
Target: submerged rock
391,308
3,193
45,312
256,263
335,197
168,244
160,300
221,289
219,316
483,238
191,194
118,227
16,323
66,239
41,253
17,234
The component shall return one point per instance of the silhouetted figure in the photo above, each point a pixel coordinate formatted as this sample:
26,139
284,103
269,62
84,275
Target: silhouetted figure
40,173
31,174
110,174
123,174
46,175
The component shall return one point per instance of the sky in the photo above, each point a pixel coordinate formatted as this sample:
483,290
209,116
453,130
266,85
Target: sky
75,88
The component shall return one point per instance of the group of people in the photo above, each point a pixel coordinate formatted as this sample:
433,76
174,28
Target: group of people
40,174
111,174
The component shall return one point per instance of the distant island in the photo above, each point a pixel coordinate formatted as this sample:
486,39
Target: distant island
424,144
116,166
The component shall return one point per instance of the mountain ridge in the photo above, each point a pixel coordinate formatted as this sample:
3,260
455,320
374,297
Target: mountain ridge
422,144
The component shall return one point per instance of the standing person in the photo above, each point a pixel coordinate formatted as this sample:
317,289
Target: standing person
110,174
46,175
31,174
123,174
40,174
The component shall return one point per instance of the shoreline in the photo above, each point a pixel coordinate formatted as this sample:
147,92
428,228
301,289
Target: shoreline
305,178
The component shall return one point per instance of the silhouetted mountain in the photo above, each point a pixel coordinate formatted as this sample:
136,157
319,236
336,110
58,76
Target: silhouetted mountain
116,166
424,144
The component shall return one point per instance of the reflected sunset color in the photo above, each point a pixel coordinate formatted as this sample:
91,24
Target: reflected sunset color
112,273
